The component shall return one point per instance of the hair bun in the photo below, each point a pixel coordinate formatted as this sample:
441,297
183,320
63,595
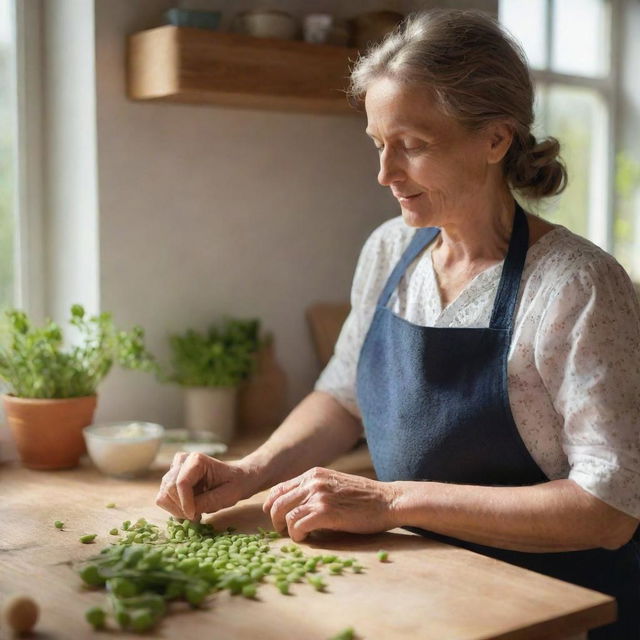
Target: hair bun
535,168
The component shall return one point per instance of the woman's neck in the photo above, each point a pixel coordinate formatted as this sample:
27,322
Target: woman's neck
481,234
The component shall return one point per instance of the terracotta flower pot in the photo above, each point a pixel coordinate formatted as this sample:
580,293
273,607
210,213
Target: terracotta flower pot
48,433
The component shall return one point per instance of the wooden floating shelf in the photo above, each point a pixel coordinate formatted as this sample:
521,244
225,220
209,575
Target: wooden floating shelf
180,64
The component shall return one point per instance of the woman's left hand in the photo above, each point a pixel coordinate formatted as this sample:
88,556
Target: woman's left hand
326,499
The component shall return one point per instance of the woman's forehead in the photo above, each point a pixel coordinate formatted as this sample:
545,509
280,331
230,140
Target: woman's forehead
394,105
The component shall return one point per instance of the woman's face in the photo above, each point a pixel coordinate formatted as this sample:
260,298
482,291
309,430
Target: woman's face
435,167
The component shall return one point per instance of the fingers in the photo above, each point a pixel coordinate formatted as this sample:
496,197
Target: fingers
167,496
223,495
306,518
316,475
191,472
279,490
300,497
285,503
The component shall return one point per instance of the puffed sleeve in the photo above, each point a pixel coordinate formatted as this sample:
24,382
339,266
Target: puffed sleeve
588,353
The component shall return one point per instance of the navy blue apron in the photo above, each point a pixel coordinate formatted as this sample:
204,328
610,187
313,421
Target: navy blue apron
435,406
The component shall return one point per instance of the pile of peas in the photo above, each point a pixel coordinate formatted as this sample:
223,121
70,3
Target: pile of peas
146,568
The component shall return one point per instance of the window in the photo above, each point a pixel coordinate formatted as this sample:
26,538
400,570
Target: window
570,49
7,157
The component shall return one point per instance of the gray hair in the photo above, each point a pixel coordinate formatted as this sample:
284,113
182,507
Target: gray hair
478,74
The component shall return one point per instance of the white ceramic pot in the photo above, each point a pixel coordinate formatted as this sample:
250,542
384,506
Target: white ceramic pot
211,409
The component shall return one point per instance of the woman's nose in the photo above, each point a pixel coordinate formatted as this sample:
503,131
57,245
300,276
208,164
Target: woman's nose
390,171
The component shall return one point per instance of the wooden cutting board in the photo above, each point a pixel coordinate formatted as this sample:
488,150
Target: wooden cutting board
428,590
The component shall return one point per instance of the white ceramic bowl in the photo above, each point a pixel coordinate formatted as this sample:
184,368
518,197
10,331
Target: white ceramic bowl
176,440
123,449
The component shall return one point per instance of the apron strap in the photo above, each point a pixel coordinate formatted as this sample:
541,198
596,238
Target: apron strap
504,306
421,238
507,295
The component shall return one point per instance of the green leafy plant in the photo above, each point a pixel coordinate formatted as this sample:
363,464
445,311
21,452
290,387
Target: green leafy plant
223,356
34,363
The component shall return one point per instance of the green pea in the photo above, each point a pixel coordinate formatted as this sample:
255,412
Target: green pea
96,617
111,505
126,524
345,634
122,618
91,575
141,619
174,590
283,587
195,594
310,566
89,538
58,524
317,582
114,531
257,574
249,591
383,556
122,587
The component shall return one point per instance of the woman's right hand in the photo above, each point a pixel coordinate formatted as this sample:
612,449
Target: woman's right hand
197,484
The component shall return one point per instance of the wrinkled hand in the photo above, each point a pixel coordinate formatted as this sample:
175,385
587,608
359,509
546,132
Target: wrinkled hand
325,499
197,484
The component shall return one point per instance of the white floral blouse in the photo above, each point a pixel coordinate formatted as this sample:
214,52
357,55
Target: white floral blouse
574,360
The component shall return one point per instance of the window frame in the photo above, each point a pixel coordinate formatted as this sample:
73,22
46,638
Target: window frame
600,226
28,155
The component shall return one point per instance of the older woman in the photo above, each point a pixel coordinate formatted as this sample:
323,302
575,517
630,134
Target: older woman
492,358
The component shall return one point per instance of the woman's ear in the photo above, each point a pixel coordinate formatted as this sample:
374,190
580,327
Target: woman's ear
499,137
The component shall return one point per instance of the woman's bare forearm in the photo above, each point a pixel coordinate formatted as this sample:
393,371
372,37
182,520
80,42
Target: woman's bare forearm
553,516
315,433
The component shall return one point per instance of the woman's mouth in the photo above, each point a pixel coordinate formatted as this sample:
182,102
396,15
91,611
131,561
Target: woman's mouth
408,197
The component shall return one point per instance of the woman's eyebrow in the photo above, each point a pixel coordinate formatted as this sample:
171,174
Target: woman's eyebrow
419,129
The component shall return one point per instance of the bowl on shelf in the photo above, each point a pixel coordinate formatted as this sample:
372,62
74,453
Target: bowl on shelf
265,23
123,449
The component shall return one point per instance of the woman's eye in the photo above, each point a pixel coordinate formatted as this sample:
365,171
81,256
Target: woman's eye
414,147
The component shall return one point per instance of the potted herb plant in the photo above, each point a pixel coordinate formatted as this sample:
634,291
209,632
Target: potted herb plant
211,366
52,389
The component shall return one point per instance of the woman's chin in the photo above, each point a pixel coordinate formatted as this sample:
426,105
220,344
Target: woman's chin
416,218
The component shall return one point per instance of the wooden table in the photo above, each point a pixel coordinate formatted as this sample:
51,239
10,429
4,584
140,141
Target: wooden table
428,590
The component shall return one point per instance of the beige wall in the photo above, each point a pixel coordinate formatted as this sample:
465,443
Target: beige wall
207,211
